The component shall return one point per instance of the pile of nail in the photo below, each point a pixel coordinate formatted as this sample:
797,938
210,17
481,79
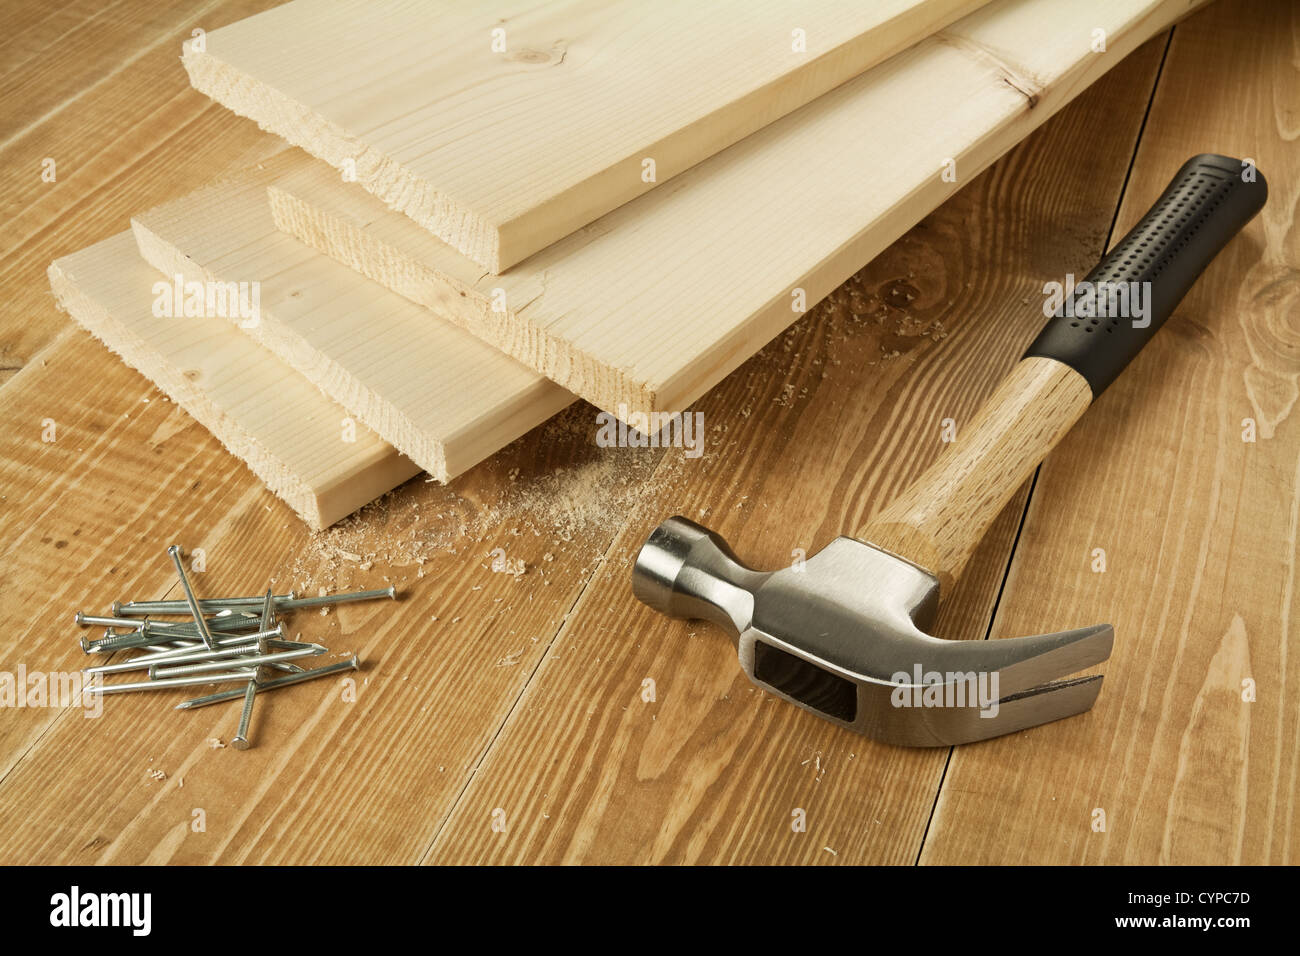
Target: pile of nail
237,640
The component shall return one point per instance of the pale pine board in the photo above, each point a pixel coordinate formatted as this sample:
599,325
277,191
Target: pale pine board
288,433
435,392
503,153
656,302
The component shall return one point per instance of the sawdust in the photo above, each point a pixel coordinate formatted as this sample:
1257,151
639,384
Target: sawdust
420,521
874,317
895,311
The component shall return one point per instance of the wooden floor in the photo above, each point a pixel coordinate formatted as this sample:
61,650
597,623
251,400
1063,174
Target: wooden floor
504,717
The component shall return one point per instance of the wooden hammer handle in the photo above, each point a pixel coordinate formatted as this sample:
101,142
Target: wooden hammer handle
940,518
1094,333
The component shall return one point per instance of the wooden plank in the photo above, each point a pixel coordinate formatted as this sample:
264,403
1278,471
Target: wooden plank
808,439
659,300
291,436
436,393
85,86
1199,529
503,148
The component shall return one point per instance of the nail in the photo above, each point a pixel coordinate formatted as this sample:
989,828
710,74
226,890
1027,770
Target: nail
191,653
226,646
162,673
268,611
150,633
139,626
82,619
199,620
152,656
240,740
222,696
140,608
388,592
241,676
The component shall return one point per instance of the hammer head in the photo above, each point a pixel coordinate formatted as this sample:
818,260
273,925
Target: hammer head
844,635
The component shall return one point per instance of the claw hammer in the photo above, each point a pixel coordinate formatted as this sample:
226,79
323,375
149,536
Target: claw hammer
846,633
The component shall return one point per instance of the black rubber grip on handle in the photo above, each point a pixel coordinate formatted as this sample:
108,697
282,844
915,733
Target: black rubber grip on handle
1147,274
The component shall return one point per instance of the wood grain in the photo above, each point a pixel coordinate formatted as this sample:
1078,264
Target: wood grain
1199,528
838,415
422,758
659,300
938,521
290,435
86,519
502,150
98,90
436,393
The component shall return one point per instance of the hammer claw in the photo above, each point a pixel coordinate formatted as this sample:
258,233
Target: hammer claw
1026,663
1030,708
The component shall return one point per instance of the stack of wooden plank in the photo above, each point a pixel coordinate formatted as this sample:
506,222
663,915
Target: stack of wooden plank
492,212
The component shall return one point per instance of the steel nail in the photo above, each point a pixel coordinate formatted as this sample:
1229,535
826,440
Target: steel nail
388,592
226,646
199,620
157,632
268,610
240,675
240,740
188,654
141,608
222,696
159,672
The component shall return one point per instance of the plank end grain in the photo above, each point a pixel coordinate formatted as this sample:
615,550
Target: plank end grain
258,408
438,394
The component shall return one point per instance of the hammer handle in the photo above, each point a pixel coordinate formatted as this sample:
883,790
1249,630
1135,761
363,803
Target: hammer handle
938,520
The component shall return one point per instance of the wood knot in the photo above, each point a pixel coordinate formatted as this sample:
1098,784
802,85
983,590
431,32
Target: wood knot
1022,87
898,293
539,57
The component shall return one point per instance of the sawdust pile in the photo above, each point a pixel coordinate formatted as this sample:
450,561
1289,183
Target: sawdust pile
893,309
507,495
